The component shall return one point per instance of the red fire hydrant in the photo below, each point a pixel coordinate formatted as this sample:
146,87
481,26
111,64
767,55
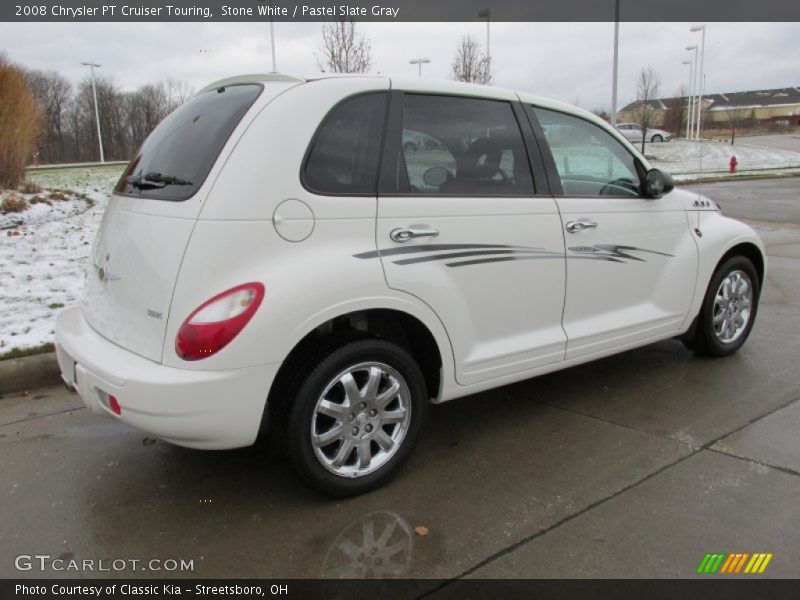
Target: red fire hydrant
733,164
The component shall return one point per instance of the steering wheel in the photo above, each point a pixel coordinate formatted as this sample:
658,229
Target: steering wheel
622,182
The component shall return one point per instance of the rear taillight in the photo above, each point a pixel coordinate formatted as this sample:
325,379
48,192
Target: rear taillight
215,323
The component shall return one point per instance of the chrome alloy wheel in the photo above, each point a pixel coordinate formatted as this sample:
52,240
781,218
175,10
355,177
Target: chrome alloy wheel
732,306
360,419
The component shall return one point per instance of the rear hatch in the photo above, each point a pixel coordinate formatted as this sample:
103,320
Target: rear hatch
150,217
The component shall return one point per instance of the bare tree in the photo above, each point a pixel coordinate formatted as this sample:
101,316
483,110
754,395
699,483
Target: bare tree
52,93
345,49
737,115
648,87
471,64
676,112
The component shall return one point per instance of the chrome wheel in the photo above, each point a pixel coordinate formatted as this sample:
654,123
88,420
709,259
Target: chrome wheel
732,306
360,419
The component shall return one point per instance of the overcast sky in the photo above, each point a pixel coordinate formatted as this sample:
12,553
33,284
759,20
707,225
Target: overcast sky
566,61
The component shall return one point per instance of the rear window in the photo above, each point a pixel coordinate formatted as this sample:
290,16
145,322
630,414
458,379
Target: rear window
343,159
176,157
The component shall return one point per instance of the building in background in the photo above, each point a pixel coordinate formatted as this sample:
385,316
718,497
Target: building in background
776,108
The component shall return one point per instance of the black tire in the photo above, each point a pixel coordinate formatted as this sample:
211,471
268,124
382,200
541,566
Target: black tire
701,337
657,138
304,458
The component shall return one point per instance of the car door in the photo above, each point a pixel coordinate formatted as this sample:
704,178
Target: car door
462,228
631,260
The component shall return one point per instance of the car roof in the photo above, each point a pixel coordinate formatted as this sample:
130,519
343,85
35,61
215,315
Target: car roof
412,84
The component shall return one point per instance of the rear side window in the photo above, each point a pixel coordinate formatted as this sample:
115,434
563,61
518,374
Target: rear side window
462,147
344,155
177,156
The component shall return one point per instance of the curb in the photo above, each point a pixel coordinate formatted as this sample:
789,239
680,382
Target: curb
29,372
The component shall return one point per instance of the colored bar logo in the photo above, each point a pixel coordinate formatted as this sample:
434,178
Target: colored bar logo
737,562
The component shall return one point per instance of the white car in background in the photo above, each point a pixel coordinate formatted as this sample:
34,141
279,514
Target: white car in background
278,257
633,132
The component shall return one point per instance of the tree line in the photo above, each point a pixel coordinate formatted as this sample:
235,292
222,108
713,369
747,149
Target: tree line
68,131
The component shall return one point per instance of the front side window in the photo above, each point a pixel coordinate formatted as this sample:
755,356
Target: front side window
462,147
589,160
344,155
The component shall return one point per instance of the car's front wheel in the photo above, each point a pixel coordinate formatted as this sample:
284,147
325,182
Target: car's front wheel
728,310
356,417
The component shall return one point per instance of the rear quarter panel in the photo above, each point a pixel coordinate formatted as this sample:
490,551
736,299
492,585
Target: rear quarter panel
307,283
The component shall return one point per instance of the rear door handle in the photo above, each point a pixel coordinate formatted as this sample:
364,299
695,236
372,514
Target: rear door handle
579,225
404,234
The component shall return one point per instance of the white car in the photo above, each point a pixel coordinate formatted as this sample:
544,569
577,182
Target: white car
276,258
633,132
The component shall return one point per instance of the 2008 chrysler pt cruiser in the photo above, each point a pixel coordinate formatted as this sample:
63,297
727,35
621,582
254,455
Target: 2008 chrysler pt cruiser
324,258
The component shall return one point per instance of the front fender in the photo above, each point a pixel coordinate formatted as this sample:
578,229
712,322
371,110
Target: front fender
717,236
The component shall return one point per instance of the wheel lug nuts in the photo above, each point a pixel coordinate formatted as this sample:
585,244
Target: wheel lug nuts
355,430
351,417
373,412
368,428
363,405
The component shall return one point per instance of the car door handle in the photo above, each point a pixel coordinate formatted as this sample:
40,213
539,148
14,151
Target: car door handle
404,234
579,225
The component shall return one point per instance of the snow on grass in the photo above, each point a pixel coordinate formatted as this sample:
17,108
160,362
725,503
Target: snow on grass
695,160
44,251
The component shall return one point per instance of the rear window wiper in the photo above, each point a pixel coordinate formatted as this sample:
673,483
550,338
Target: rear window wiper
154,181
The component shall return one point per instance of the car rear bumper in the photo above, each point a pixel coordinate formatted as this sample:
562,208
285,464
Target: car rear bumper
192,408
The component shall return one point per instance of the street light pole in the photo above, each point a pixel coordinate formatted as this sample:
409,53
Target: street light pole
272,40
695,85
92,66
419,62
487,14
702,76
689,98
615,70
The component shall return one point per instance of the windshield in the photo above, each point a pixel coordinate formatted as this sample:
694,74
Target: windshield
177,156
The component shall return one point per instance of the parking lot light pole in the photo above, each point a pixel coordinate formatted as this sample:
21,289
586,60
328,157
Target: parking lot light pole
92,66
615,68
487,14
689,98
695,86
702,74
419,62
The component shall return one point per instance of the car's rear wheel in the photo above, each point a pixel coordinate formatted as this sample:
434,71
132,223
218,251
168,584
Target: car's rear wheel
728,311
356,417
657,138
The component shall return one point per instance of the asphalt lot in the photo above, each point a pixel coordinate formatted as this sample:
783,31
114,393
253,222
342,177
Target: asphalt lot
786,141
773,200
633,466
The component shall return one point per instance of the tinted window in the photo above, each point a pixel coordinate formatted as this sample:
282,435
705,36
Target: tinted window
589,160
345,152
462,146
186,144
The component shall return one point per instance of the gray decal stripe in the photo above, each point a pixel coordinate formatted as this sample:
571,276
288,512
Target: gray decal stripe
479,261
433,248
433,257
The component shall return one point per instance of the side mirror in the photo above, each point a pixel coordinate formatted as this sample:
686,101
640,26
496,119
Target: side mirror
657,183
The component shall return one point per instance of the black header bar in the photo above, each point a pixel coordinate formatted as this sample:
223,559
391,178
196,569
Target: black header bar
398,10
